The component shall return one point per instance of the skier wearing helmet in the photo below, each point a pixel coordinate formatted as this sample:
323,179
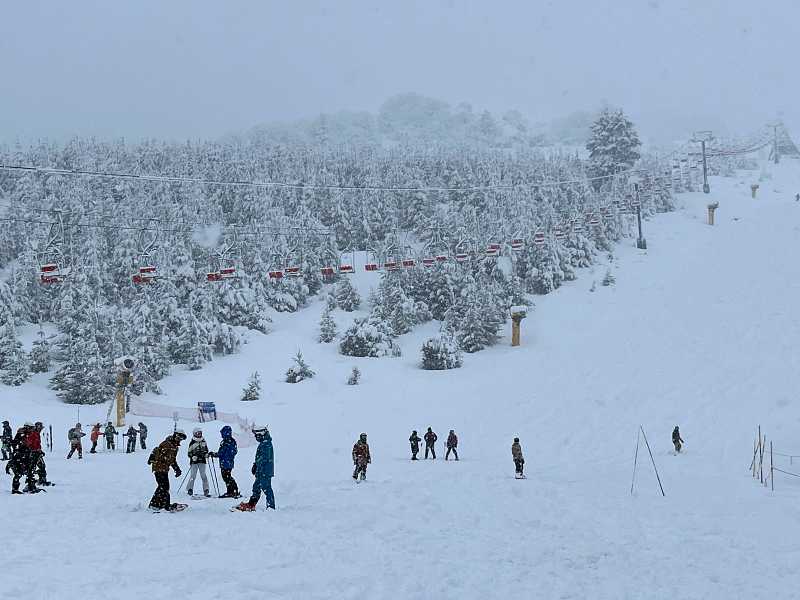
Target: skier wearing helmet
227,456
361,457
263,469
162,458
198,453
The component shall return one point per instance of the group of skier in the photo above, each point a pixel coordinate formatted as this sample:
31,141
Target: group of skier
430,440
75,435
25,457
165,457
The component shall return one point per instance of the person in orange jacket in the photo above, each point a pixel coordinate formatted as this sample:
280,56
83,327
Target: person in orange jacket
94,436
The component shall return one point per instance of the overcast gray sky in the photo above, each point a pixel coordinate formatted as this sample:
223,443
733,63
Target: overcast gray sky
177,69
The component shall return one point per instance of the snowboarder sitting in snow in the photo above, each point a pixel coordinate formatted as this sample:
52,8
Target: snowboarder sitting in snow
109,434
94,436
143,435
361,457
452,444
227,455
74,436
415,440
519,460
263,469
6,439
198,452
676,439
430,440
162,458
131,435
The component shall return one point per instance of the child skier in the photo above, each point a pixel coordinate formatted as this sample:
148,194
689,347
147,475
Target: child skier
131,435
198,453
94,436
452,444
415,440
264,471
519,460
162,458
109,434
74,436
143,435
361,457
227,455
430,440
5,440
676,439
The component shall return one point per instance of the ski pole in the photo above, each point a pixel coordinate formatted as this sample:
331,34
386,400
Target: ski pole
184,479
214,479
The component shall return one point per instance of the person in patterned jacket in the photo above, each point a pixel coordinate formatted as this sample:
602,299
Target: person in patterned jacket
361,457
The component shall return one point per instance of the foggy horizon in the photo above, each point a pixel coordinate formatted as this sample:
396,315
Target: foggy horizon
200,71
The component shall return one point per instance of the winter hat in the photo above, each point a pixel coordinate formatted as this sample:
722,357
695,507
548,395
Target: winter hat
180,433
198,433
28,424
516,440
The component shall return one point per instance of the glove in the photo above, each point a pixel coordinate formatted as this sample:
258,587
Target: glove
211,455
253,470
177,472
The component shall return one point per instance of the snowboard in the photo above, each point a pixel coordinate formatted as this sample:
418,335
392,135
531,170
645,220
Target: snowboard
200,497
177,507
518,476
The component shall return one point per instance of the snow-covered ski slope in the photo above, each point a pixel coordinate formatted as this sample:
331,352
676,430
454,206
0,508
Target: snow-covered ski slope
700,331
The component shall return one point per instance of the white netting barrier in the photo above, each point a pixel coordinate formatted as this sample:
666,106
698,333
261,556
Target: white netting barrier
242,428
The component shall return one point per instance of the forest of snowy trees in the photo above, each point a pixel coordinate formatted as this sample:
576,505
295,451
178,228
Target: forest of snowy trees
326,200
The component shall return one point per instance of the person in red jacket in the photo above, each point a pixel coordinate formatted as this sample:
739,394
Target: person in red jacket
94,436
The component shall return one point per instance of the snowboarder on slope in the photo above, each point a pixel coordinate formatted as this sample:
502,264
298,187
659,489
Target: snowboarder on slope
452,444
74,436
227,455
162,458
263,469
198,453
519,460
5,439
109,434
131,435
361,457
415,440
676,439
430,440
94,436
143,435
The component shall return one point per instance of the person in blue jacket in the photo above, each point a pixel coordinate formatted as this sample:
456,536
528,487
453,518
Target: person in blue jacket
227,455
263,469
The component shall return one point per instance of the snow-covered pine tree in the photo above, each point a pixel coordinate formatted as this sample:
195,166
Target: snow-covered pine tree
347,297
440,353
252,391
16,368
299,371
613,144
327,327
9,344
40,354
367,337
355,377
83,378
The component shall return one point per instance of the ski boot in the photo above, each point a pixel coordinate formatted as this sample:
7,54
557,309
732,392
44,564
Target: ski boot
190,492
245,506
206,494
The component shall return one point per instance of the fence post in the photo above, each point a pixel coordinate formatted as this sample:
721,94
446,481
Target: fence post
771,470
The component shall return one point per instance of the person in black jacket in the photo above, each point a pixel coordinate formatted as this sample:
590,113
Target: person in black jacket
676,439
430,440
5,440
131,435
143,435
414,440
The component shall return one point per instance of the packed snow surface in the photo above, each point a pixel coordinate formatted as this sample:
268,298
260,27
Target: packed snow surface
699,331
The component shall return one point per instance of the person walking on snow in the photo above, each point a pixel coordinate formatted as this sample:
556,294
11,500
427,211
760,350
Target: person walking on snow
74,436
143,435
227,455
131,435
21,461
430,440
452,444
415,440
676,439
361,457
162,458
94,436
198,454
5,440
263,469
109,434
519,460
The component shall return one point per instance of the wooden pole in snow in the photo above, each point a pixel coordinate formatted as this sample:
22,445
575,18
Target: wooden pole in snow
644,435
771,468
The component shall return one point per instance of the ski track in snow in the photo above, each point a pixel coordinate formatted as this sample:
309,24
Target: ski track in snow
700,330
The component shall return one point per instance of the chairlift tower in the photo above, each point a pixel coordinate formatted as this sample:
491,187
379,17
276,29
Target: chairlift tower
702,137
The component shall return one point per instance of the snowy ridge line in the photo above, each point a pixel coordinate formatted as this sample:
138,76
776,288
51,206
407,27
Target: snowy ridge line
144,408
309,186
